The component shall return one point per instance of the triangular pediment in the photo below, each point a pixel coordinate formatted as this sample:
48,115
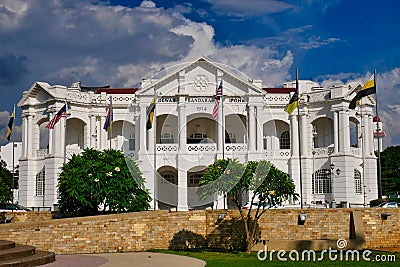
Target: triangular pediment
37,94
201,78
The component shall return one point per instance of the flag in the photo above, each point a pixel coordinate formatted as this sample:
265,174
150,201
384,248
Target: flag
294,100
62,113
10,125
218,96
150,114
109,118
369,88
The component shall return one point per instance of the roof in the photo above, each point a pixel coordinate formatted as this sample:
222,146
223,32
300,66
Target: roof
117,90
279,90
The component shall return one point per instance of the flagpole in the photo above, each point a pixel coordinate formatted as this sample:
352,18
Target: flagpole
378,138
363,152
155,150
298,135
65,133
13,163
111,120
223,123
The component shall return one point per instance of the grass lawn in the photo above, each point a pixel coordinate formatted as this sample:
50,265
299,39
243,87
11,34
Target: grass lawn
240,259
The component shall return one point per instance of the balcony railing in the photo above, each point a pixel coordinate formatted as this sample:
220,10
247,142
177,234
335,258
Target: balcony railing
323,151
202,147
236,147
40,153
167,147
278,154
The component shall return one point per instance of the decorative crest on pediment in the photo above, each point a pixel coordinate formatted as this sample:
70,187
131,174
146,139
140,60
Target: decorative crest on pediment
200,83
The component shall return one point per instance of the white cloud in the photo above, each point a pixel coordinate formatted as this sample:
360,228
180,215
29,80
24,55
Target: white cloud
240,8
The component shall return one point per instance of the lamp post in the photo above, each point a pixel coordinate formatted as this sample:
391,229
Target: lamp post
332,186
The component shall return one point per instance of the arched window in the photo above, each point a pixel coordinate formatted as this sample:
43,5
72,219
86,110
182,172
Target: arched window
168,178
321,182
40,178
357,182
284,140
167,138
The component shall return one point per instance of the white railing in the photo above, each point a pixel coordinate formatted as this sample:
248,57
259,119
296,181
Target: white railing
320,96
276,99
323,151
355,151
40,153
236,148
278,154
167,148
202,147
130,154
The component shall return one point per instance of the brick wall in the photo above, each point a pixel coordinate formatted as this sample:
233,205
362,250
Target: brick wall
18,217
156,229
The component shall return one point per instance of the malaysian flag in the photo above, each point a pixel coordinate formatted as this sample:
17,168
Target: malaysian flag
62,113
109,118
218,96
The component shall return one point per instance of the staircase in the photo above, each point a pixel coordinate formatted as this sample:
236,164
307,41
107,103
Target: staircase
13,255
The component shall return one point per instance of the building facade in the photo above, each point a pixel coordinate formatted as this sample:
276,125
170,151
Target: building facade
333,144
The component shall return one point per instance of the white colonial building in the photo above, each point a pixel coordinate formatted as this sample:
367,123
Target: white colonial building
335,146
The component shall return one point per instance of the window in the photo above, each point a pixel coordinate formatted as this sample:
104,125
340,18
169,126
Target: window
168,178
357,182
132,142
40,183
167,138
194,179
284,140
197,138
321,182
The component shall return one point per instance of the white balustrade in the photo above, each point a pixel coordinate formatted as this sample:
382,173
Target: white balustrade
40,153
202,147
167,147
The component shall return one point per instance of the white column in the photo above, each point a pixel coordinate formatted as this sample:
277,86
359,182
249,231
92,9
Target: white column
103,133
29,136
92,131
182,125
335,132
344,130
51,141
142,129
182,187
294,146
252,129
137,134
62,132
221,134
259,129
303,137
24,135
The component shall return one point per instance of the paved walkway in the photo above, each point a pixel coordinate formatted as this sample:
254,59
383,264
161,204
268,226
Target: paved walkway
136,259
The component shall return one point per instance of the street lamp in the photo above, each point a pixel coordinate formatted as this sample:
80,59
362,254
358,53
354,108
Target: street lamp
332,186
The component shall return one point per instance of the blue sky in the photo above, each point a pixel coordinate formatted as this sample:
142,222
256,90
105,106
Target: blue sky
120,42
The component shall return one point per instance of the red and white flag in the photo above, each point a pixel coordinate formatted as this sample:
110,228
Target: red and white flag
62,113
218,96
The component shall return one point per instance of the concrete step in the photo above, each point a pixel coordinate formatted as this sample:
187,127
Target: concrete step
4,244
19,251
39,258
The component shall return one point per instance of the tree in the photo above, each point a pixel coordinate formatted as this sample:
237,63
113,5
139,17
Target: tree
390,165
5,183
104,179
266,184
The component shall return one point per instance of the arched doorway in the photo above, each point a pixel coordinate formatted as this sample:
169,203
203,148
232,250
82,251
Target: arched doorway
167,182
